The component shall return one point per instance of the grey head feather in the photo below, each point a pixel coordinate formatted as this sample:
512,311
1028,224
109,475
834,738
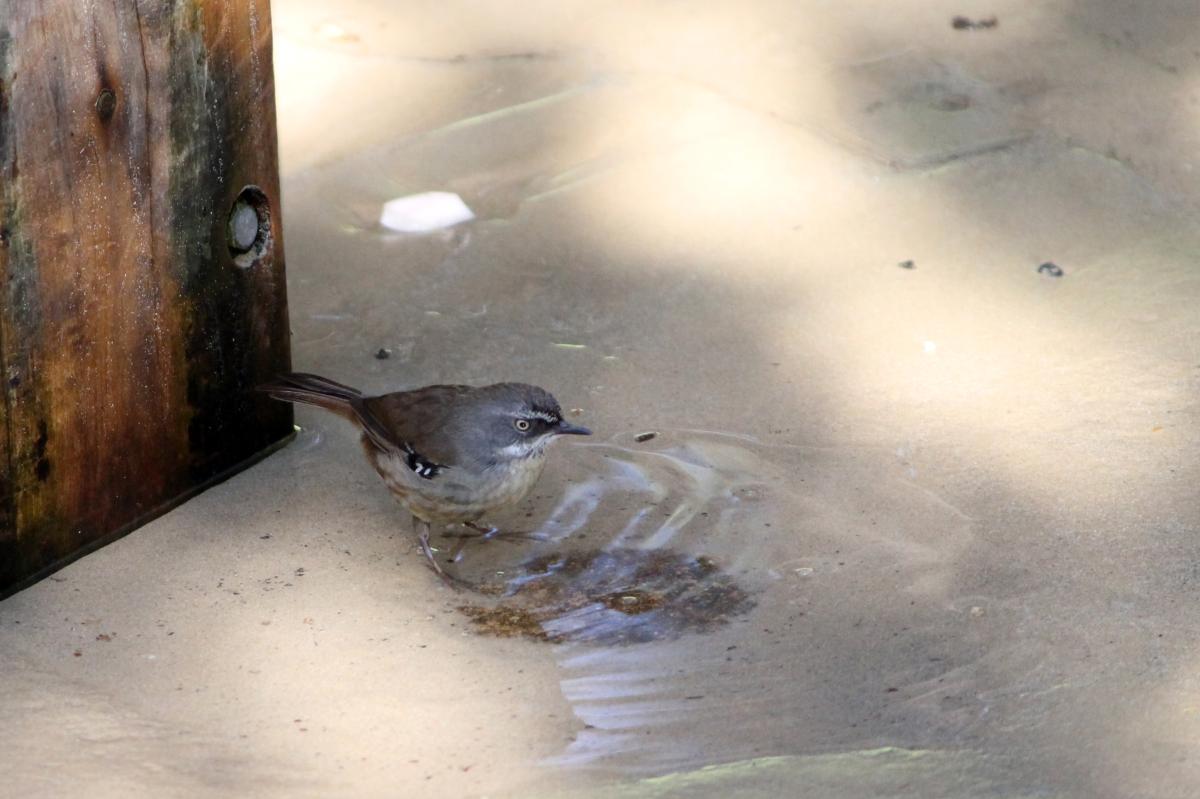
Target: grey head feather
461,427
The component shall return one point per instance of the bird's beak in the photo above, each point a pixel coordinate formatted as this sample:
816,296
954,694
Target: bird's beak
565,428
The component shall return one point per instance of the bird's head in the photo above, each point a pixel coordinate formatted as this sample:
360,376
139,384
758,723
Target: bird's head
520,420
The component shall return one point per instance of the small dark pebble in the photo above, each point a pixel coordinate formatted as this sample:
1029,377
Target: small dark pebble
634,602
382,354
1050,268
966,24
907,265
953,102
642,438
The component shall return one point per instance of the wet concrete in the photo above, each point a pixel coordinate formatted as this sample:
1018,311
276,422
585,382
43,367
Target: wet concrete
801,243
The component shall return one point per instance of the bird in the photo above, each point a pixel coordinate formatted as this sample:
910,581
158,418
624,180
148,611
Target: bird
451,454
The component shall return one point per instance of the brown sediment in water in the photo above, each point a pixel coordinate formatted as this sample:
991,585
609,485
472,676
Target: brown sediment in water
507,622
618,596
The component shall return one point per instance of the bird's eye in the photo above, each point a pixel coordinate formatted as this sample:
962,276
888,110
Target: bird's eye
522,424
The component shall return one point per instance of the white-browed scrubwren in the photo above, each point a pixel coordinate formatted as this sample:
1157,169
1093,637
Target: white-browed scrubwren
451,454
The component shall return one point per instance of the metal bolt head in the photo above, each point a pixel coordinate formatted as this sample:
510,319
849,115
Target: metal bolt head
248,227
243,227
106,104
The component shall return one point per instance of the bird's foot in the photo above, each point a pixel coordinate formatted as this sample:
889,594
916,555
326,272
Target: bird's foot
481,534
485,533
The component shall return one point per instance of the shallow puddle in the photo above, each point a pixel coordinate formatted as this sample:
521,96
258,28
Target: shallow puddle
702,581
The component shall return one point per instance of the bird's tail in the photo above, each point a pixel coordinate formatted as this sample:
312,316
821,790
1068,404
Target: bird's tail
316,390
344,401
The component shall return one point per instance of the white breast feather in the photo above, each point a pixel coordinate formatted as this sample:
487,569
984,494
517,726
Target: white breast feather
523,449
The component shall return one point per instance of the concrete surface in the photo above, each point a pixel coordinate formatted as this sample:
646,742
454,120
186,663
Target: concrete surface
960,497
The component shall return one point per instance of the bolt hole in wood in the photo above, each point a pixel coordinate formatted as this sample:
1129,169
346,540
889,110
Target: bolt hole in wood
106,104
249,227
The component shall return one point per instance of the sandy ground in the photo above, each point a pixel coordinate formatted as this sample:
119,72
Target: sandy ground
949,511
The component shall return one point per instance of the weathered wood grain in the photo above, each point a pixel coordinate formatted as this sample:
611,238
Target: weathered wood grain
130,341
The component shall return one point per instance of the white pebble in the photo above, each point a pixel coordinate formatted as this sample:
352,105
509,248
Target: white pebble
422,213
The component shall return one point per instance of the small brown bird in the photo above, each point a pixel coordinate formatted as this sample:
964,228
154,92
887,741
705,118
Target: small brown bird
449,453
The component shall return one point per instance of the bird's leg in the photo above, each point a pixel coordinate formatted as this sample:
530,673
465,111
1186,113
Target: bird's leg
486,533
480,531
422,529
482,534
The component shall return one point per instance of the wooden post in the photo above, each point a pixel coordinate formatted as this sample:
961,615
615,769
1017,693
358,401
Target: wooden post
142,292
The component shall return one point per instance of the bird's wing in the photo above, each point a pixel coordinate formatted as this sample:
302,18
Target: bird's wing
418,424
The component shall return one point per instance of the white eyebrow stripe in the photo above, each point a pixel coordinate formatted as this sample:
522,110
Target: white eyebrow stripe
545,417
